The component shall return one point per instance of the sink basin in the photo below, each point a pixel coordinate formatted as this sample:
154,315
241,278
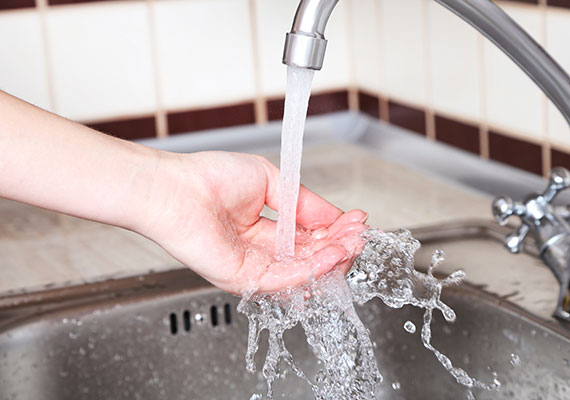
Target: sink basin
170,335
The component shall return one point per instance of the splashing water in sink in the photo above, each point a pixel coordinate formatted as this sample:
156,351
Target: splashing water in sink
339,340
299,81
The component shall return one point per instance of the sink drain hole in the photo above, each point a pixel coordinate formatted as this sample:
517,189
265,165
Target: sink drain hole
227,314
214,315
173,324
186,319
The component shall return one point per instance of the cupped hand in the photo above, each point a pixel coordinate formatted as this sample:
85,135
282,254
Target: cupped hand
204,209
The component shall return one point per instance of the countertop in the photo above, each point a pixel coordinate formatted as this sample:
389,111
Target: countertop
40,248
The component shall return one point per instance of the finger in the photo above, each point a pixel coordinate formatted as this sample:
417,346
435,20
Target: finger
347,223
313,212
280,276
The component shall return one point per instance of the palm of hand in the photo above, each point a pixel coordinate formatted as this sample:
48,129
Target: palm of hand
223,238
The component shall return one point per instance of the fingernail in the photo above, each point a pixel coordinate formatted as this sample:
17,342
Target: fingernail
363,220
342,260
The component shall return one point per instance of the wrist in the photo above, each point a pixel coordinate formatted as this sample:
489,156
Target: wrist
159,180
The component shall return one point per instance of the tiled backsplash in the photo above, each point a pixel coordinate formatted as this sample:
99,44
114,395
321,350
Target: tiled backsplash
144,68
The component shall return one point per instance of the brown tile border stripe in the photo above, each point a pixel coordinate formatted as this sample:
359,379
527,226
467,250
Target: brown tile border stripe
410,118
369,104
322,103
275,109
457,134
559,3
559,159
211,118
135,128
515,152
14,4
319,103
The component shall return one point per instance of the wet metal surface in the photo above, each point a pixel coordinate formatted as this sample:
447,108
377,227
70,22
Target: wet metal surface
170,335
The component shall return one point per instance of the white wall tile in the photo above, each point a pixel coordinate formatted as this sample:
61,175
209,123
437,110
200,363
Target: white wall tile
558,45
102,61
274,20
403,53
512,100
454,64
366,46
205,52
336,68
23,70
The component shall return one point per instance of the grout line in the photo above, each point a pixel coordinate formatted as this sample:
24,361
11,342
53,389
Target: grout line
379,51
353,100
484,148
384,109
351,50
42,7
546,160
429,109
430,124
546,156
261,113
484,142
161,119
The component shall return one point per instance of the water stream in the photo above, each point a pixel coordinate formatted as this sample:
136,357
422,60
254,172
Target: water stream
299,81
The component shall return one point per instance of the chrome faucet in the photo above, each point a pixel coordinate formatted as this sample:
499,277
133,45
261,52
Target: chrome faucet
305,47
549,228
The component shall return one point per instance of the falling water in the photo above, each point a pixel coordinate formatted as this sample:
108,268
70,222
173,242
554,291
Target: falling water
299,81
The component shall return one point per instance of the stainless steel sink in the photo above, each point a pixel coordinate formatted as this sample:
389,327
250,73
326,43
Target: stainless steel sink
171,336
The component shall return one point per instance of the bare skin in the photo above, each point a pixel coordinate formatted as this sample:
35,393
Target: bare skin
203,208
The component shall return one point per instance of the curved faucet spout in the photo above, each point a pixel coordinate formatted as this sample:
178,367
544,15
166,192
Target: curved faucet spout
507,35
305,45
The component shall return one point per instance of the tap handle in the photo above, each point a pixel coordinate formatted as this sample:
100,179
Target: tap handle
515,240
504,207
559,180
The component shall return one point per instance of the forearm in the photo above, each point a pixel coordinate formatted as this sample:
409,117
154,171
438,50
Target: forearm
51,162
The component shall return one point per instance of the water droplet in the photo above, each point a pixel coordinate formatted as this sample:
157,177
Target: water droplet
410,327
515,360
73,335
396,385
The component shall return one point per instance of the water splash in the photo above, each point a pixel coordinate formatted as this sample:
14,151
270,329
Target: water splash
333,330
410,327
384,269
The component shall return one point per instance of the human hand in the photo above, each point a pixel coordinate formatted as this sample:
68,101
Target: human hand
204,209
